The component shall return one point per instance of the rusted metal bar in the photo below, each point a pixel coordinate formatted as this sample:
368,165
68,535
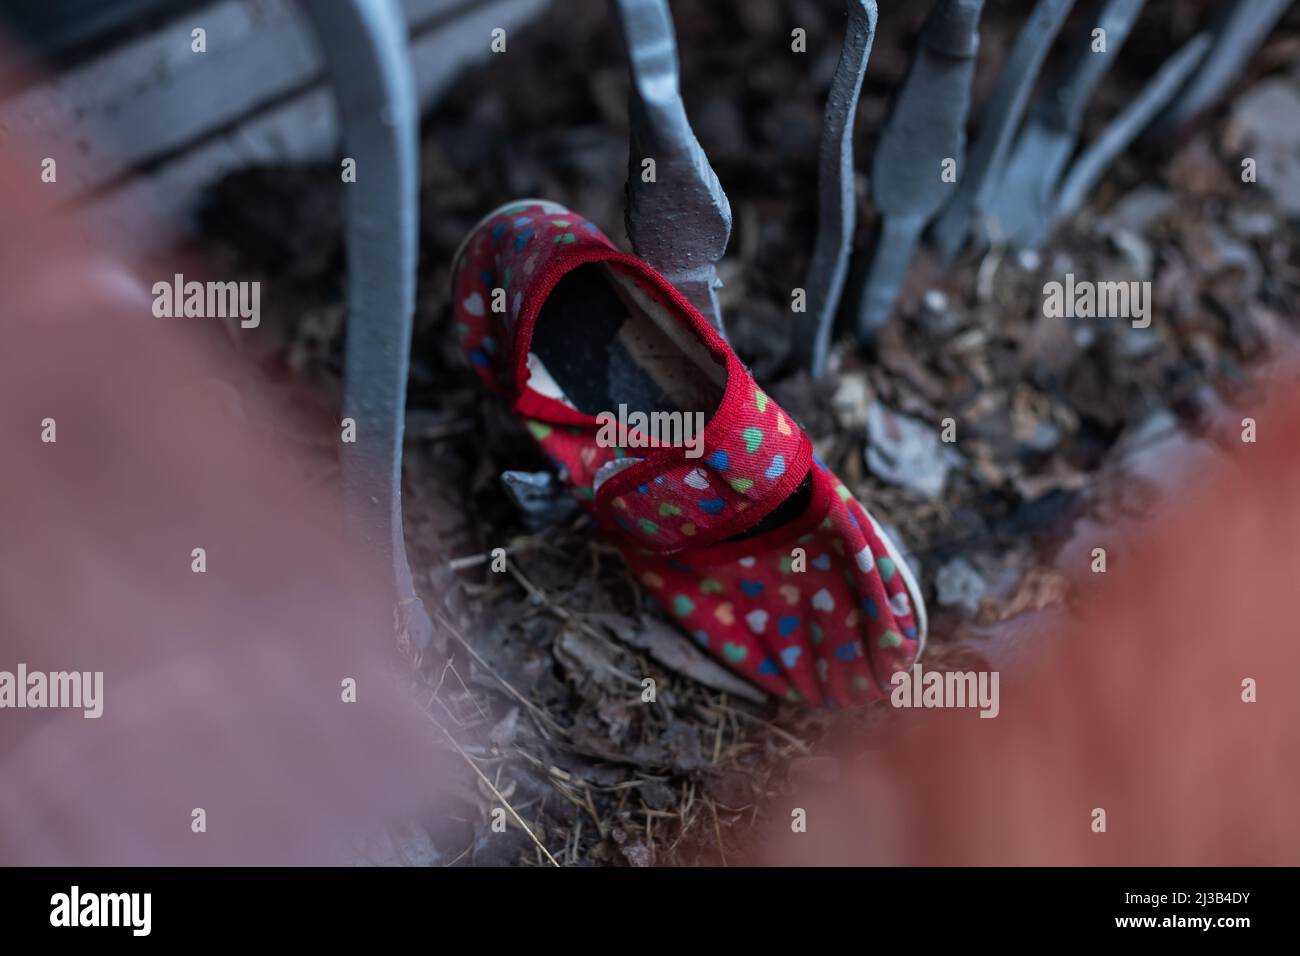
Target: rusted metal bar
837,207
678,217
363,43
926,128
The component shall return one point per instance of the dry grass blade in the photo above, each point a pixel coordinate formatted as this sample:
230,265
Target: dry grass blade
542,716
492,787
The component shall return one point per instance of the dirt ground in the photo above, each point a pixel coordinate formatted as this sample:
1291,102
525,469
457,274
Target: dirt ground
540,677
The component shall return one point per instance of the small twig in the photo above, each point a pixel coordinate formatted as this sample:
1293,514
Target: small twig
591,809
463,686
717,738
717,830
460,856
783,734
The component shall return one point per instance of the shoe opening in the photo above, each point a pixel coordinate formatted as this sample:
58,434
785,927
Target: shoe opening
602,341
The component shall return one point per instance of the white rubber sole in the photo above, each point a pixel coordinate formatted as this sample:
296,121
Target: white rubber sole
909,582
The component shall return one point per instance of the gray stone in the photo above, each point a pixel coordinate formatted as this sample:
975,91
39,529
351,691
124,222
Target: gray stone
852,398
1138,343
1265,126
541,500
958,584
905,451
1137,252
1139,208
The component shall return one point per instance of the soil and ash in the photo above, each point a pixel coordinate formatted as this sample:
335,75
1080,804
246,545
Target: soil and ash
540,680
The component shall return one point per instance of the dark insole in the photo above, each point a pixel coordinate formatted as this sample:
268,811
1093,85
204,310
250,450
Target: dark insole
577,339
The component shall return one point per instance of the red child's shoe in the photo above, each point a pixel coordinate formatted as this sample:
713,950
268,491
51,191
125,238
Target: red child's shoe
743,535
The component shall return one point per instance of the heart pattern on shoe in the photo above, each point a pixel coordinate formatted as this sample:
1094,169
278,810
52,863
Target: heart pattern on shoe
823,601
821,629
473,304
